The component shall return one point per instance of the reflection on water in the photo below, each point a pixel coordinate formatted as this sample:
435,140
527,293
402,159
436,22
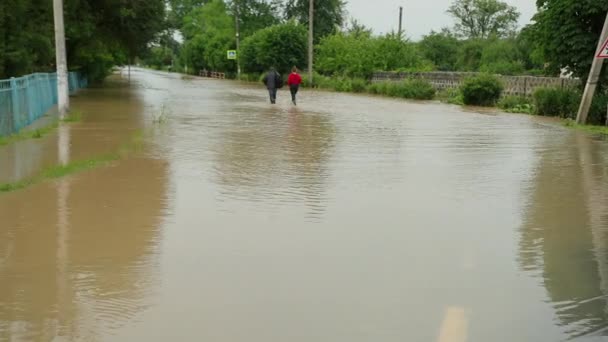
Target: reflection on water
565,234
78,256
347,218
277,156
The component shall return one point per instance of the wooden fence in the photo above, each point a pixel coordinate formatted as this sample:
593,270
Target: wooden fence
212,74
514,85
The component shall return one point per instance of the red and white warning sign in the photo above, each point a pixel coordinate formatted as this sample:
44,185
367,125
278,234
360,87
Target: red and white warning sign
603,53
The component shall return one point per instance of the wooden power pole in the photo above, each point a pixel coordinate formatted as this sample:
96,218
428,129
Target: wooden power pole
63,96
311,12
400,20
238,38
594,76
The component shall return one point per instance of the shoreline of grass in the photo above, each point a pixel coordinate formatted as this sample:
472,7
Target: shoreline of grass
38,133
601,130
59,171
77,166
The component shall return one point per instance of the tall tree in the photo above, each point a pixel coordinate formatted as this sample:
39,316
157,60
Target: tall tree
567,31
179,9
441,48
328,17
209,31
254,15
480,19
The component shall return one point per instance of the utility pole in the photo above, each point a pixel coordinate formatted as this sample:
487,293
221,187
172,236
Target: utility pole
63,96
238,38
400,20
311,12
594,76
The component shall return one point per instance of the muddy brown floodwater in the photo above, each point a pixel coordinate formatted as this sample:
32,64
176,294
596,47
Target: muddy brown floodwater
347,218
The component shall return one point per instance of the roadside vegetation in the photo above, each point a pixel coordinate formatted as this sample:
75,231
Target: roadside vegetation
78,166
38,133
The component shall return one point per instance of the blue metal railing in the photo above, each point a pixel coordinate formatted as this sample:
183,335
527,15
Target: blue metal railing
25,99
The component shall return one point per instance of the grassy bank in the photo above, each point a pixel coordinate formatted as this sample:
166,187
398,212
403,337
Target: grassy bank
602,130
77,166
38,133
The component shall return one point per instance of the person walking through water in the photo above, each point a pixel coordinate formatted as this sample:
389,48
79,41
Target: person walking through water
273,81
294,82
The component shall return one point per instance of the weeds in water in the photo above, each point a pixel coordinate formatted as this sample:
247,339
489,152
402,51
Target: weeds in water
163,115
603,130
73,116
77,166
28,134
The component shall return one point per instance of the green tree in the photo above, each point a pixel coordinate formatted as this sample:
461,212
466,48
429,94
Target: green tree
441,48
26,37
328,18
255,15
567,31
357,29
281,46
469,55
502,56
481,19
358,55
209,32
179,9
99,34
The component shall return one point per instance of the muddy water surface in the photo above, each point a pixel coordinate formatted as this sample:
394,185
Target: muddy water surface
347,218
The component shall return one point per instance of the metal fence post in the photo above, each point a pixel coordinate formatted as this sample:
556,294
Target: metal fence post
15,105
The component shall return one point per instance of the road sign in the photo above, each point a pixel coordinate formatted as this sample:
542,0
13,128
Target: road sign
231,54
604,51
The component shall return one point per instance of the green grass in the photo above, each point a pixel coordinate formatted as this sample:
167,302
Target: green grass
77,166
603,130
29,134
162,116
59,171
72,117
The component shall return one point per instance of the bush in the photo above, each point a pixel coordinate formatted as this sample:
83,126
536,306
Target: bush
482,90
516,104
280,46
359,85
408,89
355,55
451,95
597,113
556,102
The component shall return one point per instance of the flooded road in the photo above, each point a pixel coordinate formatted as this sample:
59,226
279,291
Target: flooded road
347,218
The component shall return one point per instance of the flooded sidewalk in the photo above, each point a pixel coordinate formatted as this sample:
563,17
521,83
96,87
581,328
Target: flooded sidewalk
346,218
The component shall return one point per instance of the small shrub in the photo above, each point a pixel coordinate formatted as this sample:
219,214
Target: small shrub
516,104
378,88
451,96
597,113
359,85
556,102
408,89
421,89
482,90
342,84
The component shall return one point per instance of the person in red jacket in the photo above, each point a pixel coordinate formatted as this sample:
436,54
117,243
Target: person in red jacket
294,82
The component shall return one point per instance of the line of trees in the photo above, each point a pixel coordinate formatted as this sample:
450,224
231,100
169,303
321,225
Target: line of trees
99,34
484,38
104,33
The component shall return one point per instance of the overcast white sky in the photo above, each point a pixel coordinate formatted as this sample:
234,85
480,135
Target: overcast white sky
419,16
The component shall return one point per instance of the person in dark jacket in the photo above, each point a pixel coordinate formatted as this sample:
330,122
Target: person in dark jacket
273,81
294,82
